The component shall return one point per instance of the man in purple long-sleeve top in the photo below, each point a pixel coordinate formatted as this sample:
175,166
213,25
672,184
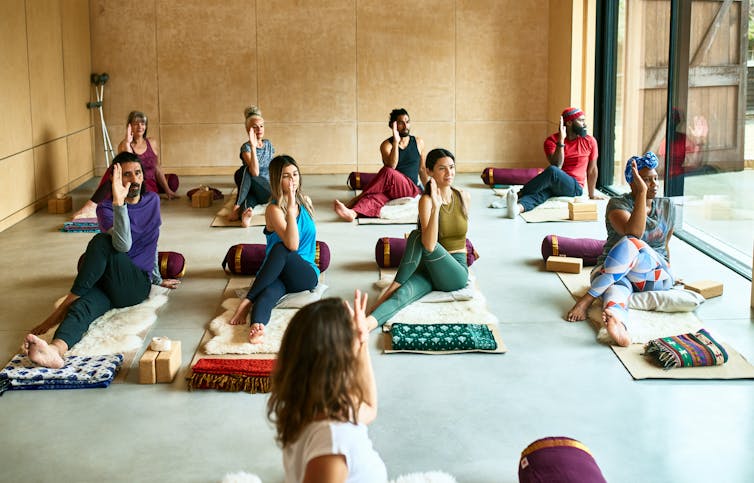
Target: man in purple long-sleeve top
117,269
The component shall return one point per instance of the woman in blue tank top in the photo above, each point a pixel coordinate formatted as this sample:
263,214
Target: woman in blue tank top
291,243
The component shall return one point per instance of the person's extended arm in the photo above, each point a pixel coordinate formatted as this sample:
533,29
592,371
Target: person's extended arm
389,148
368,406
429,216
121,230
557,157
423,176
330,468
591,179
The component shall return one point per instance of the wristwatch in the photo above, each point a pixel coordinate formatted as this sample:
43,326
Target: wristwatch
560,145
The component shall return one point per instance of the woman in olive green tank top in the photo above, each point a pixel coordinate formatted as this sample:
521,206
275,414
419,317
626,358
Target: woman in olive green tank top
435,256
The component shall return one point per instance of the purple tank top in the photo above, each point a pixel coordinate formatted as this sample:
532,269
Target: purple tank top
149,164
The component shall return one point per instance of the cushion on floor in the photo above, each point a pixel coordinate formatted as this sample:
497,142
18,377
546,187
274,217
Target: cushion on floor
389,251
247,258
561,459
358,180
172,264
588,249
686,350
494,176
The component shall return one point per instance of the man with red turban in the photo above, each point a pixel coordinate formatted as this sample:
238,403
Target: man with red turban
572,154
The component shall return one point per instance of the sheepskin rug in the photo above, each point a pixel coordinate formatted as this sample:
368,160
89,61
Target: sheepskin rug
119,331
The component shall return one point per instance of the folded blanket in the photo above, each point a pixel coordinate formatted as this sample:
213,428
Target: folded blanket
233,375
442,337
79,372
686,350
81,225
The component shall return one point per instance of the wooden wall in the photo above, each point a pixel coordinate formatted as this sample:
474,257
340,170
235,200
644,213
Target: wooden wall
45,131
483,78
473,74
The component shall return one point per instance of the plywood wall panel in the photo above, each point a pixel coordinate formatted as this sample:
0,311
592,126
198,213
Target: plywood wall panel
79,154
406,56
190,146
501,67
16,182
77,63
307,60
318,148
15,123
50,168
44,39
501,144
124,45
209,77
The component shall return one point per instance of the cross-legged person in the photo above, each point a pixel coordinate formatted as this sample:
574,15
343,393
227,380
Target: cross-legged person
572,156
252,178
117,269
399,177
636,257
435,256
291,234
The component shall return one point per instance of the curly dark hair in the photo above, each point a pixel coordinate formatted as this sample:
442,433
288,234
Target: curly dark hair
316,373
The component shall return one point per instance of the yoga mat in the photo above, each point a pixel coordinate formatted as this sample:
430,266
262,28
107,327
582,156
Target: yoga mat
81,225
650,325
501,348
221,217
554,209
120,331
639,367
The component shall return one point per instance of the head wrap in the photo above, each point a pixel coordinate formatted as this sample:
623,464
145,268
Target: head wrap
649,160
571,113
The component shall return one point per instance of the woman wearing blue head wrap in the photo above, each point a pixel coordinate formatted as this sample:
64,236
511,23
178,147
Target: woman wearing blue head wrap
636,257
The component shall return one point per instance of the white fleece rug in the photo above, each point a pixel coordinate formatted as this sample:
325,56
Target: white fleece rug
119,331
395,212
426,477
234,339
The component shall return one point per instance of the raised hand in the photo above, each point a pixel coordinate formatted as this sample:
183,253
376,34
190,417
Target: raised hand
119,191
396,134
129,137
637,183
252,138
700,129
358,315
562,129
434,194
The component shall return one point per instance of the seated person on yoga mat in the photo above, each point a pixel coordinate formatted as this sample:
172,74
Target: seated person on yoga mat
572,154
636,257
117,269
136,142
288,265
253,177
435,256
324,394
399,177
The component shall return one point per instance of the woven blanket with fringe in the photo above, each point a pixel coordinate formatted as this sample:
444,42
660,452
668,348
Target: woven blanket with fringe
232,375
79,372
442,337
686,350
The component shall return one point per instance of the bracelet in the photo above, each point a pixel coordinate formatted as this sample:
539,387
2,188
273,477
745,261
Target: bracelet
560,145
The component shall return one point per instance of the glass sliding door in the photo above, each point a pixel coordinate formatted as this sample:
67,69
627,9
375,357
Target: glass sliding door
681,92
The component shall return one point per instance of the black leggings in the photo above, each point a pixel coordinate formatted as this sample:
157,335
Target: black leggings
282,272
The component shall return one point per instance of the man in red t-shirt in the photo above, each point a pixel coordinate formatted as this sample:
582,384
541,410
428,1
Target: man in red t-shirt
572,154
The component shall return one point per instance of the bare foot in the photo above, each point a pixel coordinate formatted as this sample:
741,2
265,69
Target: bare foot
578,312
89,210
343,211
246,217
616,329
42,353
256,333
233,215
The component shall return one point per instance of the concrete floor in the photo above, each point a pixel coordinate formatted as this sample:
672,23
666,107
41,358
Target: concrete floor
469,415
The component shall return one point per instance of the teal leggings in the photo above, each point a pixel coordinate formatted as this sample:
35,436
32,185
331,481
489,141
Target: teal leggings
421,272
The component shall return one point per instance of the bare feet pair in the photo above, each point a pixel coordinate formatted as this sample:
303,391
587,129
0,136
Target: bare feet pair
42,353
245,217
613,325
343,211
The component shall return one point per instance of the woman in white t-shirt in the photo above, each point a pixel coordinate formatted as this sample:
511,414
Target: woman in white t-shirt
324,395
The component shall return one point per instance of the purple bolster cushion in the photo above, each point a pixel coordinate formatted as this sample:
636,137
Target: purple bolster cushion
559,459
358,180
246,258
389,251
588,249
493,176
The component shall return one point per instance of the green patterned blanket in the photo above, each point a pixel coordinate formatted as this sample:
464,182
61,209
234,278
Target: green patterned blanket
442,337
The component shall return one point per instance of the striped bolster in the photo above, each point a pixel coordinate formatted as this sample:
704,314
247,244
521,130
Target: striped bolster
386,251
